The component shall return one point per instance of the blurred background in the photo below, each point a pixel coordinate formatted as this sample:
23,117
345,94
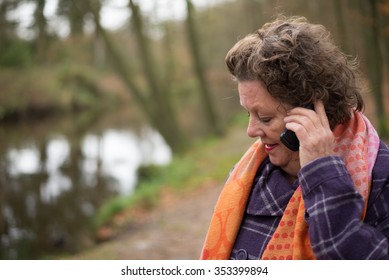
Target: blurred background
106,104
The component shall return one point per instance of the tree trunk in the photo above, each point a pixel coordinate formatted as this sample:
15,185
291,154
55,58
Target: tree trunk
41,28
340,23
253,10
3,26
6,26
163,114
76,17
155,102
122,69
210,110
383,18
374,62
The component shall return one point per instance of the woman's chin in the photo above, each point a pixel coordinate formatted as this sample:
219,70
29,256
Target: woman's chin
284,158
275,160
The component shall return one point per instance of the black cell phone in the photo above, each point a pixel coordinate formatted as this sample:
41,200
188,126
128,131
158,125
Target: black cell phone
289,138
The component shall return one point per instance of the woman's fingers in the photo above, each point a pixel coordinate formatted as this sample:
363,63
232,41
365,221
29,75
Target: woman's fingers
313,130
321,112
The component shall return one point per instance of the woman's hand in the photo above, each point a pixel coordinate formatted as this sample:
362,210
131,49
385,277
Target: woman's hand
313,130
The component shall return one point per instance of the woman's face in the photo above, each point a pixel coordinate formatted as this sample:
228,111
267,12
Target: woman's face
266,121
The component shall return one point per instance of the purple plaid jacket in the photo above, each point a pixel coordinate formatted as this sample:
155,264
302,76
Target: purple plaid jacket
333,210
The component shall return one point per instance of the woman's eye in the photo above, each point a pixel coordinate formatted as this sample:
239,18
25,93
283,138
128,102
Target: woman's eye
265,120
261,119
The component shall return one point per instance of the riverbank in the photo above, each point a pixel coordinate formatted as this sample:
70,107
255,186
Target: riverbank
176,226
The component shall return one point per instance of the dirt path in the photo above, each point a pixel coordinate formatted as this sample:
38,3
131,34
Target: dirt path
174,230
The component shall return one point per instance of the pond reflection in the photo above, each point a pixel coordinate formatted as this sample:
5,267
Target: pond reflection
51,186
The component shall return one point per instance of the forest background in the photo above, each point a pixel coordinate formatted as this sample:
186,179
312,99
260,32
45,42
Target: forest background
168,70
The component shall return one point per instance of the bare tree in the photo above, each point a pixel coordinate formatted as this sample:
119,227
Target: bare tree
254,11
339,7
40,25
154,99
75,11
210,110
374,60
7,27
383,18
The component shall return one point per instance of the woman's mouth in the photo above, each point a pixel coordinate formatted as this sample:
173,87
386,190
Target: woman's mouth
270,147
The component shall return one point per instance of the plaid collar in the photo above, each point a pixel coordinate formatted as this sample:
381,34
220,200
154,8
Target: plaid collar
271,191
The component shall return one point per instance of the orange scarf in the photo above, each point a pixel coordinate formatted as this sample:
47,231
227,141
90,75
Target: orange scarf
356,142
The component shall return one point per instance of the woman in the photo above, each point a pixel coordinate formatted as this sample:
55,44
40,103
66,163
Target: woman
326,198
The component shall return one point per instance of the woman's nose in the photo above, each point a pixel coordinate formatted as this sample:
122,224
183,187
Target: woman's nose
254,129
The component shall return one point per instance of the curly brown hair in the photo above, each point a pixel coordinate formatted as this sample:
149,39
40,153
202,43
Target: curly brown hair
299,64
